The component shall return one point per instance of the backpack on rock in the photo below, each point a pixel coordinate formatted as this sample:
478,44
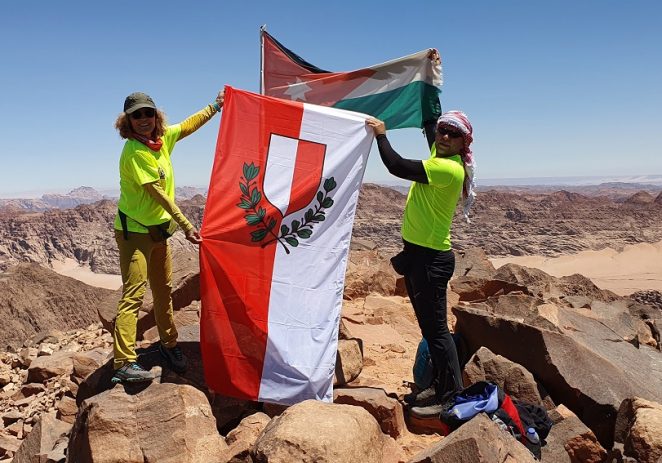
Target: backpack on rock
530,428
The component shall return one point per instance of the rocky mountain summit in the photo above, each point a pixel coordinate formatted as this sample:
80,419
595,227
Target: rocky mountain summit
589,357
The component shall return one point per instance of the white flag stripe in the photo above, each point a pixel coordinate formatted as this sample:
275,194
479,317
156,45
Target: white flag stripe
398,73
280,170
307,285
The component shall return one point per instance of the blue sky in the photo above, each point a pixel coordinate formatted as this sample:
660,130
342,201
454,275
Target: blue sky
559,88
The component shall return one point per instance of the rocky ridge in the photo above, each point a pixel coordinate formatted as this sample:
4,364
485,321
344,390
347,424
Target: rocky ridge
34,299
503,224
83,233
525,223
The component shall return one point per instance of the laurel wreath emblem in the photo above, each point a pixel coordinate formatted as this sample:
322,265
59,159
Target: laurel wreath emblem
256,215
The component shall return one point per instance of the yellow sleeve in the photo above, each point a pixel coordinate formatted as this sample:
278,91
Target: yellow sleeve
197,120
160,196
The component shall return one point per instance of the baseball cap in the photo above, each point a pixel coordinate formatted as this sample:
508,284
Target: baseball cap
138,100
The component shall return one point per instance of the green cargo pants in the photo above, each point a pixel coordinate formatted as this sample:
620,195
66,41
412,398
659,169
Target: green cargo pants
141,259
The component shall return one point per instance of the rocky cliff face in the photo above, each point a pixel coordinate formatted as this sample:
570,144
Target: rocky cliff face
502,224
84,233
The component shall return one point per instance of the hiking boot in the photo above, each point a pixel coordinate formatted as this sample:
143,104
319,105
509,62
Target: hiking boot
131,373
428,412
421,398
175,357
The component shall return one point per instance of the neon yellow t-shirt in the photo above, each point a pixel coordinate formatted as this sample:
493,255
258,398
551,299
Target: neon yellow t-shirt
430,207
140,165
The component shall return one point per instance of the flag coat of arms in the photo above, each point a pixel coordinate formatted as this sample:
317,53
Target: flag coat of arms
276,233
403,92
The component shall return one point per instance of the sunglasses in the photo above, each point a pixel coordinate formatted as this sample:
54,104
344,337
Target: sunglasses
144,113
451,133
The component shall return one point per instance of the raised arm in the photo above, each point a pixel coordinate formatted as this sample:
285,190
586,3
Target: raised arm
429,127
197,120
408,169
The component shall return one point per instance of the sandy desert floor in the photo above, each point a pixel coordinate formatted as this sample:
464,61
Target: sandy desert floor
634,268
73,269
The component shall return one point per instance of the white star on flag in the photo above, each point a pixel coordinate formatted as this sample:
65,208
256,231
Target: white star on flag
297,91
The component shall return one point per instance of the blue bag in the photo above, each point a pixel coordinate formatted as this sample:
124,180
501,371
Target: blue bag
423,369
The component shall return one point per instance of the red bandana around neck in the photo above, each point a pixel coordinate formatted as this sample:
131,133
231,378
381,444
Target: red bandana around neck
151,144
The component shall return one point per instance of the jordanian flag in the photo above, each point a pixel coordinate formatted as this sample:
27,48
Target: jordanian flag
403,92
276,233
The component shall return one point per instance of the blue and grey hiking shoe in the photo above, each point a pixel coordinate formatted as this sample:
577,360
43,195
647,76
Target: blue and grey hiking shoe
422,398
175,357
131,373
428,412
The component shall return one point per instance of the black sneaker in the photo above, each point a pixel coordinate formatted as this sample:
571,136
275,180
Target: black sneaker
421,398
131,373
175,357
428,412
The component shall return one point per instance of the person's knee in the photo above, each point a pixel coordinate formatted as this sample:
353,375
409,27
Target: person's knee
134,289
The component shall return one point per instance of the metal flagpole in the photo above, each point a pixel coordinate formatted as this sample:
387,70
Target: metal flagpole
262,29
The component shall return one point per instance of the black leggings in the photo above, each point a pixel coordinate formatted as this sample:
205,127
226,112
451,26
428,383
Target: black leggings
426,276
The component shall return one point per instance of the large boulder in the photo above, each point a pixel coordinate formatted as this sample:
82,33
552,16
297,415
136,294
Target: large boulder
479,289
368,272
480,440
639,429
318,432
241,439
570,441
551,288
582,362
86,363
473,262
387,411
161,423
512,377
8,445
41,440
50,366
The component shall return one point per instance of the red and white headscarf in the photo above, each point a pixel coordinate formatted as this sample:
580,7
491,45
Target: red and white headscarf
459,121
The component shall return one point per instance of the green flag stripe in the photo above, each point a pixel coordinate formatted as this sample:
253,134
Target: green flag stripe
407,106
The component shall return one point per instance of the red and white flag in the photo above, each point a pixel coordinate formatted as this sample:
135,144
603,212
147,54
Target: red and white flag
276,233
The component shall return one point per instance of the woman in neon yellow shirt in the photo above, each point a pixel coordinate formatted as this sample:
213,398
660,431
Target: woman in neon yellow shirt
427,261
147,216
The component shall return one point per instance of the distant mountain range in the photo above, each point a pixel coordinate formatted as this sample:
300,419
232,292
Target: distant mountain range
78,196
613,187
640,180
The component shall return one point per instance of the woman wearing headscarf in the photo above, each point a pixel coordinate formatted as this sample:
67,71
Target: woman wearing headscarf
147,216
427,260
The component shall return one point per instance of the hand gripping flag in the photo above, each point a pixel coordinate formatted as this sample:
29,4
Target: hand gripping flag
403,92
276,233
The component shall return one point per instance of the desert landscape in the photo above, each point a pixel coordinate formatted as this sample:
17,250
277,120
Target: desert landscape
556,293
